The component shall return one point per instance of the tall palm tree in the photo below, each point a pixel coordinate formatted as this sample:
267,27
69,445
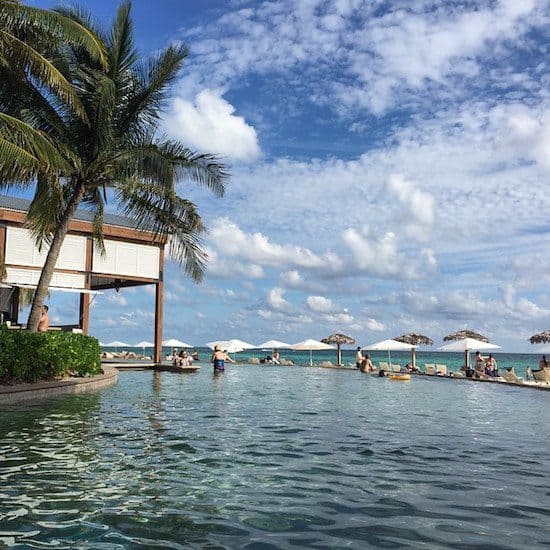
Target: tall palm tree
27,68
114,151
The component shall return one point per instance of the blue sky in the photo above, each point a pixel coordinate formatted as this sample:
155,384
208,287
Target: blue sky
390,169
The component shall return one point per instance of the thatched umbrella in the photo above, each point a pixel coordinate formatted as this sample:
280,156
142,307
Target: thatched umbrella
540,338
461,335
338,339
415,340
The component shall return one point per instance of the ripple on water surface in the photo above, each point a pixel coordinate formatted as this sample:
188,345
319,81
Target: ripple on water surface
277,458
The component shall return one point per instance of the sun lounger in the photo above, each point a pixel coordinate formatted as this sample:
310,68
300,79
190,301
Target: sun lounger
441,369
430,368
510,376
383,365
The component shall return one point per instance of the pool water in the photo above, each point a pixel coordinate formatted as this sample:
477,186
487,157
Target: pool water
277,458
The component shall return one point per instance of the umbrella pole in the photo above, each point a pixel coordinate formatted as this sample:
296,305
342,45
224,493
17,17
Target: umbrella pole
310,358
389,358
413,352
338,355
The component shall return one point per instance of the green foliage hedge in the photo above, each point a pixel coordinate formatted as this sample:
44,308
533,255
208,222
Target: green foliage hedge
29,357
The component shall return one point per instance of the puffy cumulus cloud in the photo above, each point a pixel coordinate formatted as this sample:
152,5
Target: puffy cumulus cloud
374,325
374,256
293,279
320,304
419,206
275,299
222,268
528,131
209,124
227,236
378,54
522,307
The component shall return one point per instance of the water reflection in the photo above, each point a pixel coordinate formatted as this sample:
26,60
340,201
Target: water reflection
288,457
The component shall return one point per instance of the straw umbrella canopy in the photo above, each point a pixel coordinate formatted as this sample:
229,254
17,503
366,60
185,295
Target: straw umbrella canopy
339,339
540,338
416,340
461,334
466,345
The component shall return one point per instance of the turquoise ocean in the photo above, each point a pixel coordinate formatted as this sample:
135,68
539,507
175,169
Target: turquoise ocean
454,361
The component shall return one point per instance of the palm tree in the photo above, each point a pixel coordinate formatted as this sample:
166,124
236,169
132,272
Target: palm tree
115,152
26,70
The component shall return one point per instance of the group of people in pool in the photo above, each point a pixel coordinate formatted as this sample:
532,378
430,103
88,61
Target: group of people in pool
182,358
483,366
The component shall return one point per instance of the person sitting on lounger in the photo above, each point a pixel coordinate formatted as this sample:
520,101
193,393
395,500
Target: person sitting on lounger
479,364
491,366
543,363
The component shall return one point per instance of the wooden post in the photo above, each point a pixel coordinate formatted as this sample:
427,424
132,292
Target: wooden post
84,310
159,289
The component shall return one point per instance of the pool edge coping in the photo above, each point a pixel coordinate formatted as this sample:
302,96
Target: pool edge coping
41,390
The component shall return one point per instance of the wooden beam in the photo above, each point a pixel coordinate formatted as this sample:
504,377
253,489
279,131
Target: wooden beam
86,228
159,292
84,309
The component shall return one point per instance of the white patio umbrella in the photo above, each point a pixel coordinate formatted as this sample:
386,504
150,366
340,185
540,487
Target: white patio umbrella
225,345
310,345
117,344
174,343
466,345
144,345
389,346
273,344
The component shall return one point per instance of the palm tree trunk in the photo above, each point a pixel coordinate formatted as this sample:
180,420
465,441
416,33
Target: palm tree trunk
51,259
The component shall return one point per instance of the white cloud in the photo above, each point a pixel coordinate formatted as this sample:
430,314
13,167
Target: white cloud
374,325
374,256
210,125
419,206
275,299
320,304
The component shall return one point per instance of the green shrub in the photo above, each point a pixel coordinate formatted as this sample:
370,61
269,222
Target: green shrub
32,356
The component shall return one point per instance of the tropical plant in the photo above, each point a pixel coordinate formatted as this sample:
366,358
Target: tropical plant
28,71
114,151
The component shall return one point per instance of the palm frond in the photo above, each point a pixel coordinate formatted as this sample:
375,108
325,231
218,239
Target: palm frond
121,51
42,68
25,150
165,214
45,208
147,99
54,24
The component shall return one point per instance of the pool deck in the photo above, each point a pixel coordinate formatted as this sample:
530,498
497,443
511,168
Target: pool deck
42,390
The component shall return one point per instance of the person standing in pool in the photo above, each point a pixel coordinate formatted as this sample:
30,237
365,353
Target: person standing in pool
358,358
219,357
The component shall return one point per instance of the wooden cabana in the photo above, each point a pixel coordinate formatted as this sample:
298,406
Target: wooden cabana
133,258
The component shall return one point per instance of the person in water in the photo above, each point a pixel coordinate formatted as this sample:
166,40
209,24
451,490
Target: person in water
543,363
358,358
219,357
366,364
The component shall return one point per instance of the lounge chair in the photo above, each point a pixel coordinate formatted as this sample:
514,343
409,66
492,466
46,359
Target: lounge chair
441,370
395,367
510,376
383,365
430,368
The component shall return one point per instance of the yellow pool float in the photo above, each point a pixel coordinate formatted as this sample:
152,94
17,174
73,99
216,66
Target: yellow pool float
399,376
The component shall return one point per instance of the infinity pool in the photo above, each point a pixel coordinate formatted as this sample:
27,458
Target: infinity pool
276,458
